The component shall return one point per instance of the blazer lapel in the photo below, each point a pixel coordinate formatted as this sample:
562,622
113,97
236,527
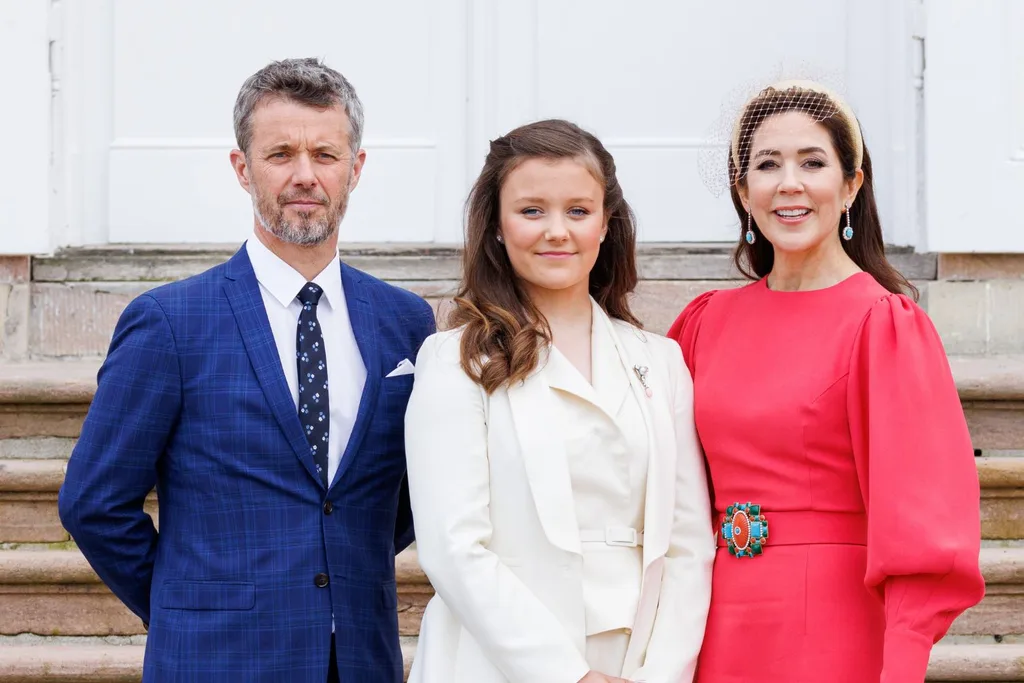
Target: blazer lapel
243,293
661,465
533,413
611,376
364,326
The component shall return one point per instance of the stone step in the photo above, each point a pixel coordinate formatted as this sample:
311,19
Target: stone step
50,398
981,663
1002,496
28,499
100,663
393,262
54,592
92,663
29,487
1001,612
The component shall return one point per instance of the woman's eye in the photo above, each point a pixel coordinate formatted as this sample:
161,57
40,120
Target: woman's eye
532,211
767,165
579,212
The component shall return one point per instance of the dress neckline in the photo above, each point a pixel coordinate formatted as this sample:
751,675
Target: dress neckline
811,292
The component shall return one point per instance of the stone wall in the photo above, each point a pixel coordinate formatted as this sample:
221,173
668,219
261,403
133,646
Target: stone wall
66,305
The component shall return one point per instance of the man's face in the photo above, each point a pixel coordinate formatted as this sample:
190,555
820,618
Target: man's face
299,170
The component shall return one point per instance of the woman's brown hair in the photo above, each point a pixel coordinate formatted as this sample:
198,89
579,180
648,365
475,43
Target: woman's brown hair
867,248
503,330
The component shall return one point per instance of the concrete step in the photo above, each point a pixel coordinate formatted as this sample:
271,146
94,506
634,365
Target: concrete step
100,663
29,487
54,592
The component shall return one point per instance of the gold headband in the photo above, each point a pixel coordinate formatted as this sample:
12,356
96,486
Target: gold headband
810,86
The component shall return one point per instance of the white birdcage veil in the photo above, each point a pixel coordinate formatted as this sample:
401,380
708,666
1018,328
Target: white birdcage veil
818,95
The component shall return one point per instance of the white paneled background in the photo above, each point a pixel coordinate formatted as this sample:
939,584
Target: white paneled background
140,127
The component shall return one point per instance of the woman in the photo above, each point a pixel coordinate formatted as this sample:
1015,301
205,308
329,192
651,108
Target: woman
824,401
559,493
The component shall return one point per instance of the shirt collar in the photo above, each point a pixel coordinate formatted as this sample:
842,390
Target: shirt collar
284,282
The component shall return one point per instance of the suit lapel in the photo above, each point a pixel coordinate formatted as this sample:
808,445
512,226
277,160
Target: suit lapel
243,293
633,350
364,327
540,441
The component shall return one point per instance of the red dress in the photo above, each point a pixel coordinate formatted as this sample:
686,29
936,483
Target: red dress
836,412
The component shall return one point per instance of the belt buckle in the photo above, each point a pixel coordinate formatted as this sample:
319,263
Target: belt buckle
745,530
623,537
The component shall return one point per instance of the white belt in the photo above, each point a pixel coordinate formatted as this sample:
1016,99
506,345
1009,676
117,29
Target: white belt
621,536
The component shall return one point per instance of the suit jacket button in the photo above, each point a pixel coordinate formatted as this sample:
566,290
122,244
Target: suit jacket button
328,507
321,580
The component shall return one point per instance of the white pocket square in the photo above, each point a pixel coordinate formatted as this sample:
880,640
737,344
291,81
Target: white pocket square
404,368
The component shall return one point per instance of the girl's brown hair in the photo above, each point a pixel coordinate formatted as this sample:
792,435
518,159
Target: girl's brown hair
503,330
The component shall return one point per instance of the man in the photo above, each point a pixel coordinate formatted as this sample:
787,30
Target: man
265,400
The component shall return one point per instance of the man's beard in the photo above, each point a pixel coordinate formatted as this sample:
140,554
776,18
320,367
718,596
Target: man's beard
306,230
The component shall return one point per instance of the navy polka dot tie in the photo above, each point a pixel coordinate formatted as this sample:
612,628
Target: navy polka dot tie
314,406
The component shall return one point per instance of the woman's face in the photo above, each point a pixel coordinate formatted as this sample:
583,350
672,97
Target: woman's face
795,187
552,224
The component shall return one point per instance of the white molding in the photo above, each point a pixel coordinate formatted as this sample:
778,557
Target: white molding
659,143
449,77
88,121
481,74
169,143
25,201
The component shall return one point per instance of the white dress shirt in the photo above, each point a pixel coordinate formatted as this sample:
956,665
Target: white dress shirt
346,374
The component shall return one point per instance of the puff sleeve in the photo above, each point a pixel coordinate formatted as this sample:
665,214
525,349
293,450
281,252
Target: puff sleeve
684,330
919,482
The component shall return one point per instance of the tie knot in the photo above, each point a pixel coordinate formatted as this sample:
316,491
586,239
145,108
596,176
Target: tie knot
310,294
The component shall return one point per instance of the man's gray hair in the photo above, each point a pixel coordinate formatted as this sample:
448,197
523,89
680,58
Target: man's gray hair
306,81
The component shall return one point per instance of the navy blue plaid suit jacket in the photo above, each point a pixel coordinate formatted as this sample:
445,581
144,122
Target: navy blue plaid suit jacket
192,399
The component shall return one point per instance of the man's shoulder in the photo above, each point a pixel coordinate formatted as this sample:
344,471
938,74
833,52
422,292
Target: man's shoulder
176,295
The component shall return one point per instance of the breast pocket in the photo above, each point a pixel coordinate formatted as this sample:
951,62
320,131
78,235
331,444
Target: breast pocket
207,595
394,395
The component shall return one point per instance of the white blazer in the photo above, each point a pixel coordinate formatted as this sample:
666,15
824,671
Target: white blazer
496,526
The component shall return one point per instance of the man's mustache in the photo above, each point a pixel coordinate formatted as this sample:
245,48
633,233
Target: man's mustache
288,199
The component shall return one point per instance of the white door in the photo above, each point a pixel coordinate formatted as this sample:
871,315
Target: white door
150,88
158,82
974,89
651,79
